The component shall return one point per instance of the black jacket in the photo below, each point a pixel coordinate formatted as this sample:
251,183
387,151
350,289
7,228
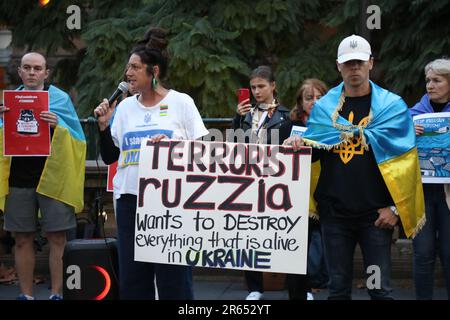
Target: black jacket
279,117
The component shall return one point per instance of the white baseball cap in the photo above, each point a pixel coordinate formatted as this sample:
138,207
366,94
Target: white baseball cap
353,48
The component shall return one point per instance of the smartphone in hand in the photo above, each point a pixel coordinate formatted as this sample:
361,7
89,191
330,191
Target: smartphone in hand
243,94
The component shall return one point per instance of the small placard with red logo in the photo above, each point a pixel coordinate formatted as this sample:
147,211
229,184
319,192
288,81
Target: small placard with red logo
25,133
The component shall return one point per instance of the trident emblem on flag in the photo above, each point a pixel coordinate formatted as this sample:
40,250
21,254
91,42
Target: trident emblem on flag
347,151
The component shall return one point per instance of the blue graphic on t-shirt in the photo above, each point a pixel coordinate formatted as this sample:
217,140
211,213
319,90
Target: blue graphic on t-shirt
131,144
148,117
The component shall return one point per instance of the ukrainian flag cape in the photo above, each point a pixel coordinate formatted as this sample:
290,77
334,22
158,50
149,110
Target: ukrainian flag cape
63,175
390,133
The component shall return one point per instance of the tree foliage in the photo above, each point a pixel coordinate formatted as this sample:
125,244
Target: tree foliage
36,27
420,38
215,44
412,34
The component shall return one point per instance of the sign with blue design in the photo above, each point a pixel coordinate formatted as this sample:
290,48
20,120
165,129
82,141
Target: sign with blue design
297,130
434,146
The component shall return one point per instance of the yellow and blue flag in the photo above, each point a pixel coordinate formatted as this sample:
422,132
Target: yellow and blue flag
390,133
63,175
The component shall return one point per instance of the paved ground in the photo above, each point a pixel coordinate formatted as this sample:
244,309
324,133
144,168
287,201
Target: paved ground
214,284
206,288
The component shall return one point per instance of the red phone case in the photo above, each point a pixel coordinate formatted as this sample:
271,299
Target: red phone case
243,94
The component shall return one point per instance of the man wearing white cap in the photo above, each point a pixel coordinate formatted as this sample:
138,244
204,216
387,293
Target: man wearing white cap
369,172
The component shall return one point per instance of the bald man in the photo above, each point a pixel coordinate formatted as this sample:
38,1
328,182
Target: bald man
44,183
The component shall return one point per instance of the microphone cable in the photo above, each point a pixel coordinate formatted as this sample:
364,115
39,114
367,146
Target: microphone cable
100,214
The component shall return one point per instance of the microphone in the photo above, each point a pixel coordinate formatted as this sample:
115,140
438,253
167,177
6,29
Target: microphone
123,87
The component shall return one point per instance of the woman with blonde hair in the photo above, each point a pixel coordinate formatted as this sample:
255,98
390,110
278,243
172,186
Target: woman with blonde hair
434,238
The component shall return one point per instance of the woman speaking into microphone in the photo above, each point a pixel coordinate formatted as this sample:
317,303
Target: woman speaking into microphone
157,112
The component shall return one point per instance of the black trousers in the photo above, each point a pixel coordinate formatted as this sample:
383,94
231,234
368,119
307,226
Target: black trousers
254,280
298,286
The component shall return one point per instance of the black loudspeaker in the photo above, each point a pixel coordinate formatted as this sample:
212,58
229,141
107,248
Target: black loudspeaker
91,270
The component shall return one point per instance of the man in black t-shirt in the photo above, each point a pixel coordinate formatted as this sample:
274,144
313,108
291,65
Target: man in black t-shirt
361,131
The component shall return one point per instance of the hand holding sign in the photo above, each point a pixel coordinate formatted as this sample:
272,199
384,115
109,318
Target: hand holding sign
50,117
3,109
295,142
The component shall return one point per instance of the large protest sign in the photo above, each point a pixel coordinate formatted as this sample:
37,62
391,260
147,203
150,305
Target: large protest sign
223,205
434,147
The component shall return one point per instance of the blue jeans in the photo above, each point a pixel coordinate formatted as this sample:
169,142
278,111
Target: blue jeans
174,282
432,239
340,237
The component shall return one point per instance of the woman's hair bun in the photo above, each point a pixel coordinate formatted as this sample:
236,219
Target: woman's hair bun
155,38
152,49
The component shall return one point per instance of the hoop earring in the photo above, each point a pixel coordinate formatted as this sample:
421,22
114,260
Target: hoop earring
154,83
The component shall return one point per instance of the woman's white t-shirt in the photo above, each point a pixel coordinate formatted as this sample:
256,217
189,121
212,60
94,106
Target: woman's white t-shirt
175,115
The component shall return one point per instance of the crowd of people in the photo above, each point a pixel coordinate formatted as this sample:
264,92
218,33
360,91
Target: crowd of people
365,176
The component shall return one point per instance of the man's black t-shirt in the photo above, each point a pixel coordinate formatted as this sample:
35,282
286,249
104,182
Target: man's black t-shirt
26,172
350,183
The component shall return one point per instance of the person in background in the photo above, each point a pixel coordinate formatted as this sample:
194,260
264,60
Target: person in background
435,236
262,119
53,184
160,113
309,92
369,171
